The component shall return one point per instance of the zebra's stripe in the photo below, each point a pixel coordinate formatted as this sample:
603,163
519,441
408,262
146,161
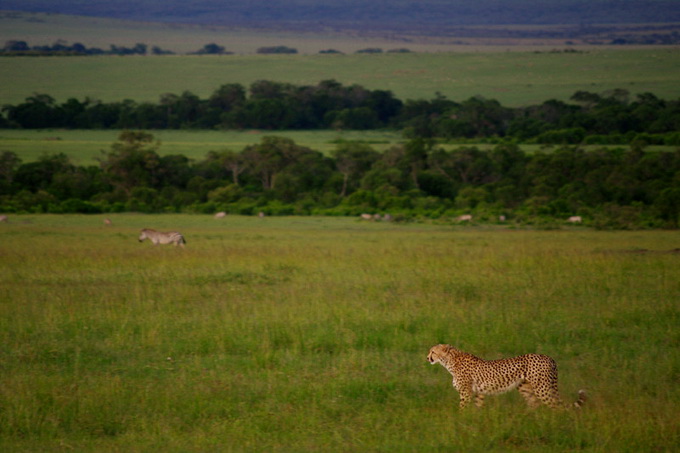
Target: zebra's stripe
158,237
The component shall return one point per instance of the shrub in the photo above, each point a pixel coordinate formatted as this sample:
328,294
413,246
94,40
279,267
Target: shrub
276,49
74,205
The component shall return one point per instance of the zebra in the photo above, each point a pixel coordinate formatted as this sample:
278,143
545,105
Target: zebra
157,237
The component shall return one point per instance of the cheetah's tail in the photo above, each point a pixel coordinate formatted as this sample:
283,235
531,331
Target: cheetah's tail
581,399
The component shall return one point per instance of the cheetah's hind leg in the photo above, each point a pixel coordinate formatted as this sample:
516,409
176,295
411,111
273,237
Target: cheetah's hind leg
527,391
479,400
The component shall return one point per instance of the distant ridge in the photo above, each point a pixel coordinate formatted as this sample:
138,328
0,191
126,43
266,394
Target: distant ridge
434,17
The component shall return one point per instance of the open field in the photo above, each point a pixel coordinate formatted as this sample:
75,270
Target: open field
84,147
46,29
519,74
513,78
290,334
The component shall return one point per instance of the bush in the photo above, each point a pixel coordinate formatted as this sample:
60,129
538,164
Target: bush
277,49
672,139
572,136
244,206
614,217
74,205
225,194
610,139
276,207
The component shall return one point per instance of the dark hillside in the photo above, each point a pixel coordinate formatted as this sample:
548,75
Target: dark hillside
406,16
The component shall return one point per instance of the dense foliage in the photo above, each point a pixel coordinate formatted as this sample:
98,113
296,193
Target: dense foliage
609,188
591,118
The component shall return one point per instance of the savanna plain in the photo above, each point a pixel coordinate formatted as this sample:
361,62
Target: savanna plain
292,334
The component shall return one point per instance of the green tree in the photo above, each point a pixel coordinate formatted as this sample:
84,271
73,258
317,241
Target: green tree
667,204
133,161
9,163
81,183
16,46
353,160
212,49
74,114
39,175
181,111
307,175
261,114
174,170
227,97
476,117
384,104
277,50
415,157
465,165
231,161
360,118
268,158
586,98
226,194
267,89
38,112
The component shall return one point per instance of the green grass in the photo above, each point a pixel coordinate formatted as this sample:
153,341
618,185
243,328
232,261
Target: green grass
289,334
85,146
513,78
513,74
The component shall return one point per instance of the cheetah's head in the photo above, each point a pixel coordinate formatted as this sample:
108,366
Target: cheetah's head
436,353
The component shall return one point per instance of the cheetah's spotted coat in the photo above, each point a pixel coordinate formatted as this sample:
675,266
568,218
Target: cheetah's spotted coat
534,375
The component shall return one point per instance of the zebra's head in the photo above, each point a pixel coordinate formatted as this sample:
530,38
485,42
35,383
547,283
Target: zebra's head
142,235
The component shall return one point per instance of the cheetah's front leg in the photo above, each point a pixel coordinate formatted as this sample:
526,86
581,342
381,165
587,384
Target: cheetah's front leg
465,391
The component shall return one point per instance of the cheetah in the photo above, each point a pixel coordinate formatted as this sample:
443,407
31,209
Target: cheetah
534,375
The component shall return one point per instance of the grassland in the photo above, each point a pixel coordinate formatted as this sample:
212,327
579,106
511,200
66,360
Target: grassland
290,334
46,29
513,74
513,78
84,147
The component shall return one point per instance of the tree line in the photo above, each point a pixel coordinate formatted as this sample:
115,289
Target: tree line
610,188
61,48
613,117
19,48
